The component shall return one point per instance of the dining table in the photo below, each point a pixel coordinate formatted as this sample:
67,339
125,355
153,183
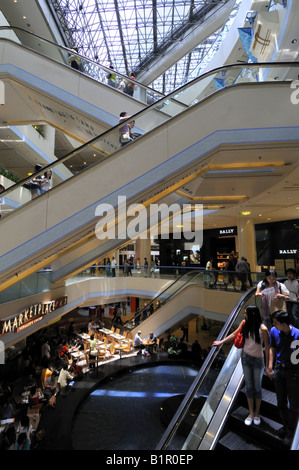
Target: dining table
149,344
120,347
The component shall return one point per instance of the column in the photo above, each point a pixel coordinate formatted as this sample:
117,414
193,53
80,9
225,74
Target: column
246,242
143,250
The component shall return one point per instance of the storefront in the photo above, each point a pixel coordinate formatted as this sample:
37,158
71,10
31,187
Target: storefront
277,244
217,244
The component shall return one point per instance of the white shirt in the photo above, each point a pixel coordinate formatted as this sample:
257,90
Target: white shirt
137,340
293,288
64,375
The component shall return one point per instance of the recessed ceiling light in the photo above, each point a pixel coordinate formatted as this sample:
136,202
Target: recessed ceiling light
245,213
294,41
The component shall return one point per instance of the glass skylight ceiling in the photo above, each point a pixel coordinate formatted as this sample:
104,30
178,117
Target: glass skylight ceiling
130,34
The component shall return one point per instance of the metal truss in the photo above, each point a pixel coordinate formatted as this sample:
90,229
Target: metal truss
131,34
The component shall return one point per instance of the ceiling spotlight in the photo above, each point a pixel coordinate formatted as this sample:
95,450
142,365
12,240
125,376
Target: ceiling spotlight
245,213
294,41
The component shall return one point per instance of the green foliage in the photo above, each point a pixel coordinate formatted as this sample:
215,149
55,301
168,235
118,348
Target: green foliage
10,176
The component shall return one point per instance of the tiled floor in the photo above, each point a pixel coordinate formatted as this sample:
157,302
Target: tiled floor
118,407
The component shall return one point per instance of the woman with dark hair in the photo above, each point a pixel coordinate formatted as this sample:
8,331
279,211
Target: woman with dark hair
272,293
256,336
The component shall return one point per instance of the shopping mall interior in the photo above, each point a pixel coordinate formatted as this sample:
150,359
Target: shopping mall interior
140,142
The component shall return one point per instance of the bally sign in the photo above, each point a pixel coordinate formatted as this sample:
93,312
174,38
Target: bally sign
288,252
226,231
30,316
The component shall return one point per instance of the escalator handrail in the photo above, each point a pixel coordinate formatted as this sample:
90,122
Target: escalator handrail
186,402
168,97
81,57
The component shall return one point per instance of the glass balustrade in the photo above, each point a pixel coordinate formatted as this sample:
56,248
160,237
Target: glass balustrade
86,66
40,281
201,402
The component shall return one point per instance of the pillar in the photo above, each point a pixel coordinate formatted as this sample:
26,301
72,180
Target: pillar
143,250
246,242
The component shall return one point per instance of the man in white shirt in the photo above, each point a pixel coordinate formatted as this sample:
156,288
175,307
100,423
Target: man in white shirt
292,285
138,343
113,266
64,377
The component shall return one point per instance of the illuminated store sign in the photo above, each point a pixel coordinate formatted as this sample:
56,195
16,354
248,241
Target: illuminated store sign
288,252
227,231
30,316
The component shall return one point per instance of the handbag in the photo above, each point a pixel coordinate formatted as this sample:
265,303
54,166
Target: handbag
31,185
239,339
125,137
278,303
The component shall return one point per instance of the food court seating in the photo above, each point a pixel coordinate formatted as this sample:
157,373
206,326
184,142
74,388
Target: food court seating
127,348
111,348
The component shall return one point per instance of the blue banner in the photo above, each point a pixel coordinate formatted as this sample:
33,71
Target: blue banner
246,36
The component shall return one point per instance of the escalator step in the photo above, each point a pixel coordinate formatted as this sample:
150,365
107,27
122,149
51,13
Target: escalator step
269,404
265,434
234,441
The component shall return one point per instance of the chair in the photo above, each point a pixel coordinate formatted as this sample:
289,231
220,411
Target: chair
111,349
112,328
125,333
127,349
91,359
117,331
102,353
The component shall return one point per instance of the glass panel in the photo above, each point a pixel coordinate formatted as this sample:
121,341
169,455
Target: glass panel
210,406
213,387
85,65
34,284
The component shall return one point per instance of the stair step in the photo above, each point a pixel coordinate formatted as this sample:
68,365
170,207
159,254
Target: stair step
268,406
265,434
234,441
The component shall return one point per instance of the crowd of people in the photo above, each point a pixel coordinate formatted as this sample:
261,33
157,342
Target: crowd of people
232,268
46,370
120,83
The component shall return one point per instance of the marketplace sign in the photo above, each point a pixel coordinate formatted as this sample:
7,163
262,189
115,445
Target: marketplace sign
31,315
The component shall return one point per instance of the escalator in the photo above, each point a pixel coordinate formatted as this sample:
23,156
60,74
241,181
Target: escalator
58,228
237,436
164,312
40,86
220,423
